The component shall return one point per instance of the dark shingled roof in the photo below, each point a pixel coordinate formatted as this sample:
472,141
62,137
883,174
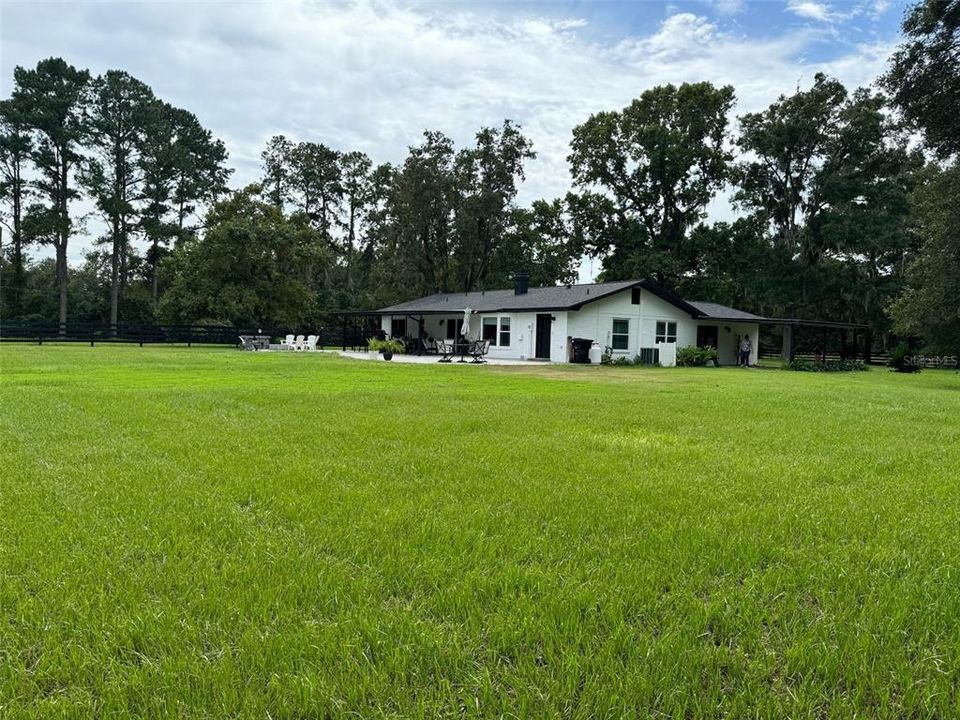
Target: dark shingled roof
722,312
563,297
546,298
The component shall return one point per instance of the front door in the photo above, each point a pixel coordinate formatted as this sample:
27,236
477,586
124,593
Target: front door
707,336
542,349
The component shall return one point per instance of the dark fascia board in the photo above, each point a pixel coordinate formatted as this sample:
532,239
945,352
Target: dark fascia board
669,296
815,323
716,318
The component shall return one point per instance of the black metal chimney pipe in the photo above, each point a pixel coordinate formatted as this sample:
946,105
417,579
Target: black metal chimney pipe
521,282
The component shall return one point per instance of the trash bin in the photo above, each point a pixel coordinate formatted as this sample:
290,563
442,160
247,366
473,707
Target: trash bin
581,349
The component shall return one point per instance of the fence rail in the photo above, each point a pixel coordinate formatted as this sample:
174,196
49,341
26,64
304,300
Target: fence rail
876,358
122,333
339,335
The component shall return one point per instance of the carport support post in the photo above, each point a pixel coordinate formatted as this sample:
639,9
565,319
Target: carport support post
787,353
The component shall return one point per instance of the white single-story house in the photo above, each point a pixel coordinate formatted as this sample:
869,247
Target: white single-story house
631,317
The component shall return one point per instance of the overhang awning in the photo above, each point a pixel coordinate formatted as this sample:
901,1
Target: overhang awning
814,323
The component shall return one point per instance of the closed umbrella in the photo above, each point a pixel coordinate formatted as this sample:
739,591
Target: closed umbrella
465,330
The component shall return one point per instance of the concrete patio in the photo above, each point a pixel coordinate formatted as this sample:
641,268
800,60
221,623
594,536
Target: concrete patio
422,359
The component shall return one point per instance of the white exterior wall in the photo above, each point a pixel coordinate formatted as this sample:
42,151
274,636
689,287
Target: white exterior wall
523,331
595,322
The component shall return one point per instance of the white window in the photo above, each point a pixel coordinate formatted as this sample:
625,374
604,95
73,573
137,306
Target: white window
497,331
504,332
620,337
666,331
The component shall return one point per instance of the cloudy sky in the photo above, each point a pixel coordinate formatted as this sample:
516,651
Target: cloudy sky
373,75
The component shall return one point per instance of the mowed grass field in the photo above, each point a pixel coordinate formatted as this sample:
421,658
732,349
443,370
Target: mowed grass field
204,533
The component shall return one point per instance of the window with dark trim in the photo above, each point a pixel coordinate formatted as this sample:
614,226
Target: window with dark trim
666,331
620,337
635,296
398,327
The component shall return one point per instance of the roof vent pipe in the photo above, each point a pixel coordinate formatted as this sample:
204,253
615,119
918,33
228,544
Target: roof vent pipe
521,281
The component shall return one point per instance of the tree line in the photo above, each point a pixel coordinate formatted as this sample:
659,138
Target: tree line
840,212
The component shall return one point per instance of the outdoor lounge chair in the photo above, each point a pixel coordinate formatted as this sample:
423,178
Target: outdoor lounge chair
311,343
298,343
479,349
426,347
445,350
288,342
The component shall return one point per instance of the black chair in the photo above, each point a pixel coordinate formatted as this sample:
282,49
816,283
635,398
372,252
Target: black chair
445,350
479,349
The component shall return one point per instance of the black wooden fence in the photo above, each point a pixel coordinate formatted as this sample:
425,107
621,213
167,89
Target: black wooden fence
40,332
338,334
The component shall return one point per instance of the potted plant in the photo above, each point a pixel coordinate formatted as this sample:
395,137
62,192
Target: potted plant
387,348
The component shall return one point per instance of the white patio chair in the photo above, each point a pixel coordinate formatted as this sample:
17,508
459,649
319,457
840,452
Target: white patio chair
288,342
311,343
298,343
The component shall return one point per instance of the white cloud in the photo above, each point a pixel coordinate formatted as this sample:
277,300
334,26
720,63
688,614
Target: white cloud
879,7
810,9
373,75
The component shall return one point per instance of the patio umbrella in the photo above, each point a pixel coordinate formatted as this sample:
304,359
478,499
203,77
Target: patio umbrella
465,330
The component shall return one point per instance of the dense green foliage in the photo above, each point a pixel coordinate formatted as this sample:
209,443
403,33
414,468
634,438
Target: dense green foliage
924,74
924,78
801,365
901,359
693,356
646,175
930,304
209,533
253,267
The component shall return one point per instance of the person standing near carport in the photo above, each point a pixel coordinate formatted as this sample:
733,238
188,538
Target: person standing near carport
746,348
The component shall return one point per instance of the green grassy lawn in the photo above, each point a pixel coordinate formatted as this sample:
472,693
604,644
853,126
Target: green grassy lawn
205,533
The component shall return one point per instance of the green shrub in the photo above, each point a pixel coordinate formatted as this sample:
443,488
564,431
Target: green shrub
693,356
901,359
621,360
827,366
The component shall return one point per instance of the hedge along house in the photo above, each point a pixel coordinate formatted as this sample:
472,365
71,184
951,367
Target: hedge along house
632,317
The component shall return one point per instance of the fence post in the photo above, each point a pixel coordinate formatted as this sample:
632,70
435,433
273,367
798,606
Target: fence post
344,333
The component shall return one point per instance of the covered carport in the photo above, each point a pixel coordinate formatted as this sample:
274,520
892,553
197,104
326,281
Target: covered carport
830,340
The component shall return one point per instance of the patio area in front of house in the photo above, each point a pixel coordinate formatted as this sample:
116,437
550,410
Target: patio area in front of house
435,359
